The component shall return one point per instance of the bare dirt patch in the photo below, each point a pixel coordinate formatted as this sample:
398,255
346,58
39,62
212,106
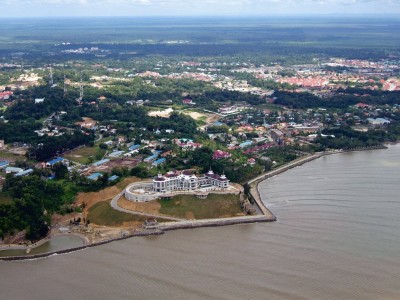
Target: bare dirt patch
161,113
92,198
87,122
195,115
64,219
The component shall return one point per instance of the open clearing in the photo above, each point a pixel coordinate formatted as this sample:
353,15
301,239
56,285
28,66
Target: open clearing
11,156
161,113
83,154
93,198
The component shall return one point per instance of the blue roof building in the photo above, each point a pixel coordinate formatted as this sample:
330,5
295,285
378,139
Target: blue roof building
101,162
245,144
94,176
116,153
24,173
4,164
54,161
134,147
151,158
13,170
113,178
159,162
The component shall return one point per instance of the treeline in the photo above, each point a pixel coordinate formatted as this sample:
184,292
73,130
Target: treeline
34,201
137,117
347,138
26,108
213,48
35,198
19,131
262,83
227,96
47,147
342,100
235,170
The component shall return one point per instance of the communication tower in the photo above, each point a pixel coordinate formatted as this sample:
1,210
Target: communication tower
65,85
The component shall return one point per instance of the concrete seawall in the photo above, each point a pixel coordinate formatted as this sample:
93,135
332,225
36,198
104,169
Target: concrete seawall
35,256
163,228
254,193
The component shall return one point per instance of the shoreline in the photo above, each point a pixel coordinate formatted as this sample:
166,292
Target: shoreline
253,194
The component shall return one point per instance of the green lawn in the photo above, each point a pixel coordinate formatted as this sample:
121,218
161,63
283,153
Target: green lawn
103,214
215,206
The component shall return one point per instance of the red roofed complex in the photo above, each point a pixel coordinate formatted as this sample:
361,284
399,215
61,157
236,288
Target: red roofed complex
219,154
259,148
188,101
5,95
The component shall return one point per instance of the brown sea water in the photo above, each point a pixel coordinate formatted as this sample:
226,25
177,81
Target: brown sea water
337,237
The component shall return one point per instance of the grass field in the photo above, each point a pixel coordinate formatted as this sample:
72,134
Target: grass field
5,198
215,206
103,214
10,156
83,155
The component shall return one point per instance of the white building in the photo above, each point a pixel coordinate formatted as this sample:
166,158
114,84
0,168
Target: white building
186,181
39,100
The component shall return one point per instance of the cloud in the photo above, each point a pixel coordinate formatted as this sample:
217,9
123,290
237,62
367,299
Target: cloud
196,7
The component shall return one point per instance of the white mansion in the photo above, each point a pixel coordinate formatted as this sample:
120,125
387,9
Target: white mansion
187,181
176,182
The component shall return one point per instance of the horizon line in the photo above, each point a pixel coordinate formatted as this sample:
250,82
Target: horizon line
314,15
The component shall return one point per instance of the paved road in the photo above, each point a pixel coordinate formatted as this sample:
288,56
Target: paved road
114,205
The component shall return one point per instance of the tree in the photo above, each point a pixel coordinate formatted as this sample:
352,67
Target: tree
103,146
60,170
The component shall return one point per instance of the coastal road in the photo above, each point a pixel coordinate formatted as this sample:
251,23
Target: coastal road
290,165
114,205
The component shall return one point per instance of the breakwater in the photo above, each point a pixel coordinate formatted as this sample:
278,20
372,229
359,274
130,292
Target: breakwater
377,147
213,222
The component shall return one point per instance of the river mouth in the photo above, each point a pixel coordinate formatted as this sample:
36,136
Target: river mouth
56,243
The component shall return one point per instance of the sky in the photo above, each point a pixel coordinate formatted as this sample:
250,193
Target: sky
59,8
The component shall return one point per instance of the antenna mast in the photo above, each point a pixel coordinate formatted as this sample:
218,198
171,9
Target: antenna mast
51,77
81,90
65,85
